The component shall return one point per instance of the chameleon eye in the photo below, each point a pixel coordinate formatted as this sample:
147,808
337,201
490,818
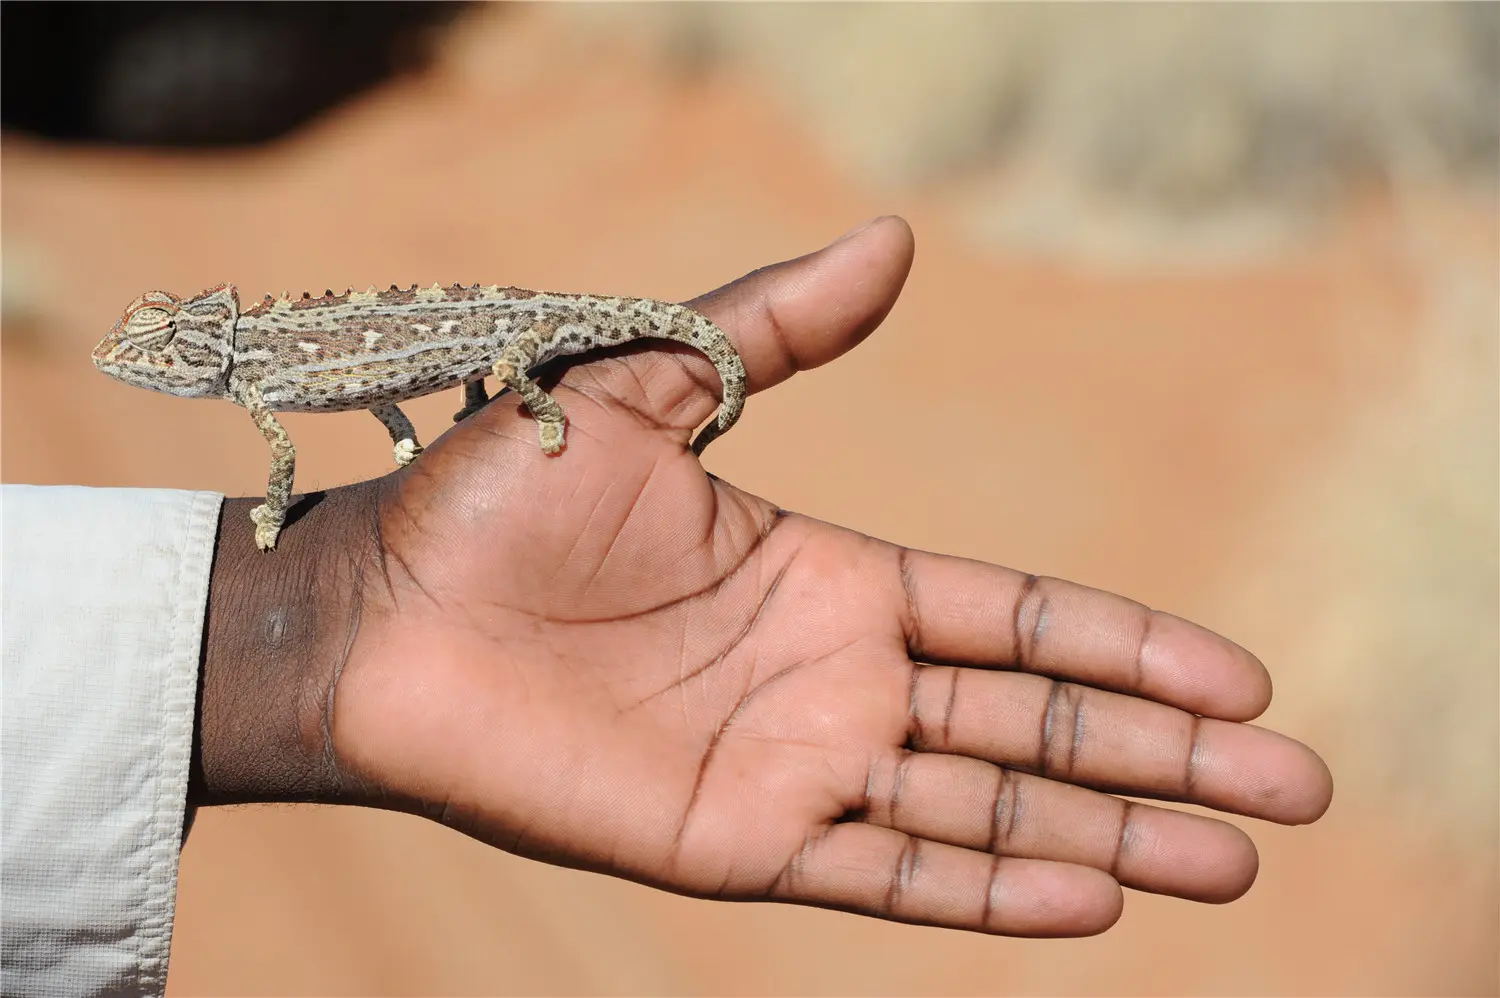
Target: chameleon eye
150,327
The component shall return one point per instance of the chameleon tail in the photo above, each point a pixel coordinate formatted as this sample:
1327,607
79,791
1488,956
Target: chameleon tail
695,330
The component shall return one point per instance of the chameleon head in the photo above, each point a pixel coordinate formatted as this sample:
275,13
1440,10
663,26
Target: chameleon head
169,345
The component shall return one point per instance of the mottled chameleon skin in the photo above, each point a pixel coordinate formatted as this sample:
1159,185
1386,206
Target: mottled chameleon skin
373,350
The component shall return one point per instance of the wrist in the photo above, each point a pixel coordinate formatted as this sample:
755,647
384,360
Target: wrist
277,634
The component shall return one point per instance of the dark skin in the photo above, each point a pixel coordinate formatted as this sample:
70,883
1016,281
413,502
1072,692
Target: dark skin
611,660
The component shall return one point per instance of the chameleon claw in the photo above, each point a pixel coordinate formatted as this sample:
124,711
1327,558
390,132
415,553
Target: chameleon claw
267,526
551,435
406,452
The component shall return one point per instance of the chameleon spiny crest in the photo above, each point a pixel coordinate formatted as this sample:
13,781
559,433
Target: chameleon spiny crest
374,349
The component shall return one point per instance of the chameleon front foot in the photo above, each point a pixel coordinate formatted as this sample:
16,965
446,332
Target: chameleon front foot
267,526
406,451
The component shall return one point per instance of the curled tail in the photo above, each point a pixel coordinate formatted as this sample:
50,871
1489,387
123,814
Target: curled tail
693,329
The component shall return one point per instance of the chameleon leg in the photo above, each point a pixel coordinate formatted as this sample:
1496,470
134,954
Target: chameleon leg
475,398
403,434
510,369
269,517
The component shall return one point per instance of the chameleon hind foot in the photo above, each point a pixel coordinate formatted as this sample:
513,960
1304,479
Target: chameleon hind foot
549,415
551,437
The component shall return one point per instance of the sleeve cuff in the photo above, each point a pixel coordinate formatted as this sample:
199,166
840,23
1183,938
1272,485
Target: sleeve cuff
104,597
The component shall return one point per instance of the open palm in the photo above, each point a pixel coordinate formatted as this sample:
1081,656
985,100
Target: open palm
610,659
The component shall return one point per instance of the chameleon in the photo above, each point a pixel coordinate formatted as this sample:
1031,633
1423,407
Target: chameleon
373,350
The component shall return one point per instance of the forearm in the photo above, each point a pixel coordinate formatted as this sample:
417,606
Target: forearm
279,629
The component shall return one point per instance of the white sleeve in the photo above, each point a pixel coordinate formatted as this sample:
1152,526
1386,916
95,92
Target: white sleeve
103,594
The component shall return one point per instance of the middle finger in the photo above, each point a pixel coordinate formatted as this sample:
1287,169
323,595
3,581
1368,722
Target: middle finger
1110,741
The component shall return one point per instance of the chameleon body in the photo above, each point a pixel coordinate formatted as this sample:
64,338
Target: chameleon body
372,350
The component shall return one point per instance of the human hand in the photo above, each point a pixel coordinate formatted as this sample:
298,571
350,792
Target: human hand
611,660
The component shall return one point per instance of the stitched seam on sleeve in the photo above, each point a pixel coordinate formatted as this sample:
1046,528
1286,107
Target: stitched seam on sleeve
178,703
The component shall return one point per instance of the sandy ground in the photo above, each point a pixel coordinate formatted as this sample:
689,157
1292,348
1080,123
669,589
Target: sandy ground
1144,431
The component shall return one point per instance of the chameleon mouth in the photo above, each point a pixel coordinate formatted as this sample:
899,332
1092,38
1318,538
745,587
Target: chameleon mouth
106,352
113,351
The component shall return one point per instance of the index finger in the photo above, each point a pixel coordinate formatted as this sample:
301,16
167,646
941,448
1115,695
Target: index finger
963,612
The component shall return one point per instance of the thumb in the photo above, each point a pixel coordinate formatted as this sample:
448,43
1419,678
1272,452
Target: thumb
782,319
797,315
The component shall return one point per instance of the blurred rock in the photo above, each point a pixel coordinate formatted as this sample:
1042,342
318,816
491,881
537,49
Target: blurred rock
1188,113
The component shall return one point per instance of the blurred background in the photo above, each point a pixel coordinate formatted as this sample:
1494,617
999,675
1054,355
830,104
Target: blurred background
1213,290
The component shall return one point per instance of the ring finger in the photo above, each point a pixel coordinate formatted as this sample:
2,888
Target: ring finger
978,805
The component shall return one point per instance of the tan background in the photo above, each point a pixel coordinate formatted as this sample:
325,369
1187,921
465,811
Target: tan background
1260,397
